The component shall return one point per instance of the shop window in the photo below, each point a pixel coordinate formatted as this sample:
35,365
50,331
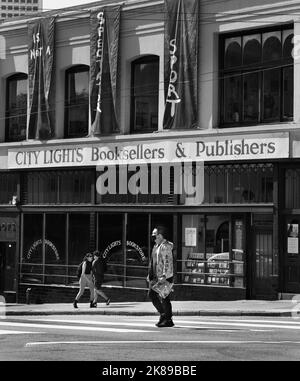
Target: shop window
79,239
121,193
59,187
110,239
213,251
144,99
8,189
32,257
238,184
257,77
292,188
16,107
77,102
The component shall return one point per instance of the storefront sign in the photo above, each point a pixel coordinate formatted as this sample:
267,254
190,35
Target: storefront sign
150,152
114,244
191,237
38,243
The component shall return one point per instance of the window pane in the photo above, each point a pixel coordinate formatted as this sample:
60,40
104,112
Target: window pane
288,44
192,266
79,238
271,94
272,46
16,109
233,52
145,94
55,249
251,97
288,92
252,49
137,250
232,91
77,103
32,256
110,244
217,250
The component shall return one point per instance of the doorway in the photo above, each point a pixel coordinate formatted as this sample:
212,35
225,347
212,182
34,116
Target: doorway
291,256
7,266
264,266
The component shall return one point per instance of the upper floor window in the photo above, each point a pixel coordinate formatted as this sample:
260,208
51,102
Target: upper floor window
144,100
16,107
257,77
77,102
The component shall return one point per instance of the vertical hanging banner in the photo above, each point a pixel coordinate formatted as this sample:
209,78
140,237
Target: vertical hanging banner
181,58
41,34
104,75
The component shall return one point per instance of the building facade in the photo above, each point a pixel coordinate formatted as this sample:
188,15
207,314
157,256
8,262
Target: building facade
14,8
241,238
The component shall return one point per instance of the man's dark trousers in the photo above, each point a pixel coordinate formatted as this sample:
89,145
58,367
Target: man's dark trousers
163,306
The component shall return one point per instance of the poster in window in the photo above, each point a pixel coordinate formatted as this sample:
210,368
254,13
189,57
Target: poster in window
191,237
293,239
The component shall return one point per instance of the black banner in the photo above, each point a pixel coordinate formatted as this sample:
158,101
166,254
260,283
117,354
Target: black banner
41,34
104,76
181,53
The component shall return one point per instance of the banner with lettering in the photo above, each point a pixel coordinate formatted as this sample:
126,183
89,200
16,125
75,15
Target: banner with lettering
41,34
104,74
181,53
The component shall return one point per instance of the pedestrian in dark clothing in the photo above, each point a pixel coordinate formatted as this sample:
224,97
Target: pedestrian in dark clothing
98,270
86,279
160,276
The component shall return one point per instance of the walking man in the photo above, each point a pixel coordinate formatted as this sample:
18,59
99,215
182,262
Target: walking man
161,272
98,270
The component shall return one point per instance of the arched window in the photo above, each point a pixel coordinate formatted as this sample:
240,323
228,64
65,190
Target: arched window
271,46
288,43
252,49
233,52
16,107
144,99
77,102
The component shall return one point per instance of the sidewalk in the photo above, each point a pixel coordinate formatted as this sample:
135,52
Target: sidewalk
180,308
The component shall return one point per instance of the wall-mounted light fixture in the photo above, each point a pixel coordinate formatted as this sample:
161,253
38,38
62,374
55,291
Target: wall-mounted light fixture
15,201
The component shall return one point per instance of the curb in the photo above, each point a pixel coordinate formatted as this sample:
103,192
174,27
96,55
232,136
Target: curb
144,313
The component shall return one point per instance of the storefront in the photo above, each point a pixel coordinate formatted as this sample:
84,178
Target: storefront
225,247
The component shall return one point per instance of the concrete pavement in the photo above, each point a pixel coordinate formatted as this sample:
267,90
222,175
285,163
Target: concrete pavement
180,308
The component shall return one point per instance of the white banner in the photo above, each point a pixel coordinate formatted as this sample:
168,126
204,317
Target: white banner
163,151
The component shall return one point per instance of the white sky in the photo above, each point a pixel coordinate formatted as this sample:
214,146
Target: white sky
56,4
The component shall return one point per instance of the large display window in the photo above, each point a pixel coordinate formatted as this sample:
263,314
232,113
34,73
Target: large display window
213,250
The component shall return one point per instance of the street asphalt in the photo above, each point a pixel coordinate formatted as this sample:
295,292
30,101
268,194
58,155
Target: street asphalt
136,338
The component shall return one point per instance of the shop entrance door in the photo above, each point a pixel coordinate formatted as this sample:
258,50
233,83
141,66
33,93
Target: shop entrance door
7,266
264,263
291,256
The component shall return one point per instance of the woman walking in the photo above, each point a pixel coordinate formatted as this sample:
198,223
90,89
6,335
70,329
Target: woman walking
86,279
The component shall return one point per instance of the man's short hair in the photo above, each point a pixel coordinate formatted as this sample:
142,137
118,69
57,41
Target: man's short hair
97,253
162,230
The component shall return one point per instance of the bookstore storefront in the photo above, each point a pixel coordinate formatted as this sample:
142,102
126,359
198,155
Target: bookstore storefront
224,247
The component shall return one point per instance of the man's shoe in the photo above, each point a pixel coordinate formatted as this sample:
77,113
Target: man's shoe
161,319
93,305
75,304
166,323
108,302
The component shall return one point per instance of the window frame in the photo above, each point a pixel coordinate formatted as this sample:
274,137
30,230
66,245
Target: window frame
242,70
151,58
72,70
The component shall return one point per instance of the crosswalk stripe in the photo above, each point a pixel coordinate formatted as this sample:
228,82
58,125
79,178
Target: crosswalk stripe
160,342
9,332
92,322
74,328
